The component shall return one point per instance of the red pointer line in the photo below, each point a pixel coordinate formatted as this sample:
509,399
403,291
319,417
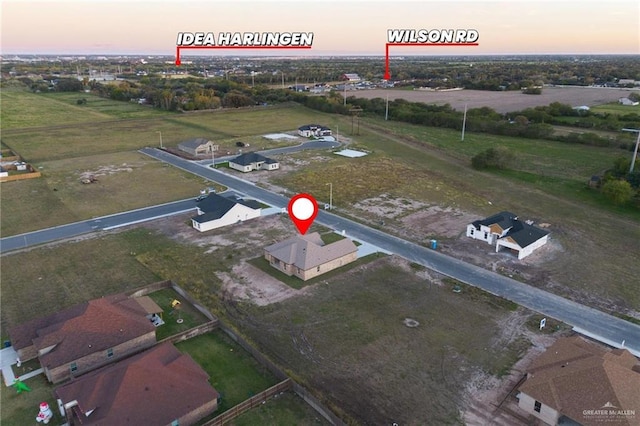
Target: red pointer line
234,47
387,76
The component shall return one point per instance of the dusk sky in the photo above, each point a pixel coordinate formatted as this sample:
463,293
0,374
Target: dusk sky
345,27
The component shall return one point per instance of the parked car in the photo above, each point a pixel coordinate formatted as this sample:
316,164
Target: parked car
240,144
201,197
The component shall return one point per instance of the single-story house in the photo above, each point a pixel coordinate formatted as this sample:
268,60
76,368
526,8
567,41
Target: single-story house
627,101
314,130
86,336
216,211
3,172
351,77
505,230
253,161
160,386
306,256
576,381
198,146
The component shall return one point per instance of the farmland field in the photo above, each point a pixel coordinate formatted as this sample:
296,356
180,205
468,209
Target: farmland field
501,102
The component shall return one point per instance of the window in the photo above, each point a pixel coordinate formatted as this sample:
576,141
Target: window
471,231
486,235
73,367
318,270
537,406
109,352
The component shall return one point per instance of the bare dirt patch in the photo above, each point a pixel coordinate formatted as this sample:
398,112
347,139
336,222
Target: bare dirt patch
109,170
503,102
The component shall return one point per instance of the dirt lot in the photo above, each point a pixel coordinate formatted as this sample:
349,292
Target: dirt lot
483,391
502,102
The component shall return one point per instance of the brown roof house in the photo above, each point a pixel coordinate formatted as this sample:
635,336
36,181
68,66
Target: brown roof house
160,386
306,256
197,146
581,382
87,336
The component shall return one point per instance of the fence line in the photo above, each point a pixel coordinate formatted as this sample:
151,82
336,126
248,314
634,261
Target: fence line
250,403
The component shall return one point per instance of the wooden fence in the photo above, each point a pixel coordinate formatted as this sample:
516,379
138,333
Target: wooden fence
250,403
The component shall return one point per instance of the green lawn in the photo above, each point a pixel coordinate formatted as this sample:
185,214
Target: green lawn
108,107
616,109
286,409
178,319
233,372
20,409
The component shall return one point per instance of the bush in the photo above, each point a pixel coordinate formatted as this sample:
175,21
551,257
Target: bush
496,158
618,191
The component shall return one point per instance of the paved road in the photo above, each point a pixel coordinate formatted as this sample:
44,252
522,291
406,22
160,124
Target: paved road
92,225
602,326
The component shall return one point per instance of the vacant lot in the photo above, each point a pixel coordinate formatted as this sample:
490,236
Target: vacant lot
347,326
501,101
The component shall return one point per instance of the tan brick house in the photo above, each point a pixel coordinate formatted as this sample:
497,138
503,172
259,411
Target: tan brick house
306,256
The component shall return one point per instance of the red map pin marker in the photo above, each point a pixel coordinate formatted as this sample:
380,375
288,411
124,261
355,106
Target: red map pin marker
303,210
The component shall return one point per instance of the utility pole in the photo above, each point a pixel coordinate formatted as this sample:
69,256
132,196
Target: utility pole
160,139
464,122
330,195
635,151
386,109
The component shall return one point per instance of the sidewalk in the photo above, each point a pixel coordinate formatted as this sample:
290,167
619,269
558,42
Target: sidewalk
9,357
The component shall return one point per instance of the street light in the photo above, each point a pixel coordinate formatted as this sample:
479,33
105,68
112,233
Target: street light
330,195
635,151
160,139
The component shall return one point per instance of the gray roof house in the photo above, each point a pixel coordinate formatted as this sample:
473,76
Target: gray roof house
217,211
505,230
253,161
197,146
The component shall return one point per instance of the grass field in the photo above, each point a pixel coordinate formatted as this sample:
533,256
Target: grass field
233,372
19,409
126,181
616,109
287,409
190,317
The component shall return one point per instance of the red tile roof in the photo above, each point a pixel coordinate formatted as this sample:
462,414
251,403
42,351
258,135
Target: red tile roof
152,388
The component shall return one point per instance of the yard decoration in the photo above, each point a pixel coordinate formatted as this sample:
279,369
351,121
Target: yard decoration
19,386
45,413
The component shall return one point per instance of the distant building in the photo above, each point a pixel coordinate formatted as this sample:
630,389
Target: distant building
306,256
216,211
350,77
316,130
253,161
161,386
627,101
196,147
506,231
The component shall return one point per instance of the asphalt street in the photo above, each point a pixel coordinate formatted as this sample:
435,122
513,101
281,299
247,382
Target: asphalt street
604,327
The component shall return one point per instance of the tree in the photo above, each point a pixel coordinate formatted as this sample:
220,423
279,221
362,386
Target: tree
618,191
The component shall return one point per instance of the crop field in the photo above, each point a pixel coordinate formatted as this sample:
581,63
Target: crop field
501,102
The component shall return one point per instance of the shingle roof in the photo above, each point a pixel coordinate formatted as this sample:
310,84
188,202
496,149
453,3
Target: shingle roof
216,206
521,232
193,143
251,157
307,251
574,375
155,387
83,329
